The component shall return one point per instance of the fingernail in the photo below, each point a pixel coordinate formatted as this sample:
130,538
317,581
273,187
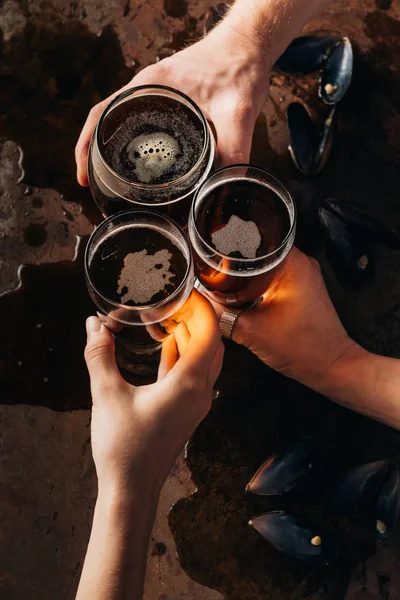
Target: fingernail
93,325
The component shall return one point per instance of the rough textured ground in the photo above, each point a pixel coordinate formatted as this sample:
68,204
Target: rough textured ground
58,58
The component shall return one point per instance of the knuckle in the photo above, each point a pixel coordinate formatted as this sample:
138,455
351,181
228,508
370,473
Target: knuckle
94,110
194,381
242,110
315,265
155,72
95,351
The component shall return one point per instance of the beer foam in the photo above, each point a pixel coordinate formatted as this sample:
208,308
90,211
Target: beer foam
144,275
237,236
152,155
172,131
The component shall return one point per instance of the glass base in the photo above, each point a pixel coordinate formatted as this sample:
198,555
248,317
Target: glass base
138,364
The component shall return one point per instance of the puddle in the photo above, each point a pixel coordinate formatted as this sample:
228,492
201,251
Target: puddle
257,412
43,338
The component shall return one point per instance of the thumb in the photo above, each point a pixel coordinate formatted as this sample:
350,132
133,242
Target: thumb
100,357
234,135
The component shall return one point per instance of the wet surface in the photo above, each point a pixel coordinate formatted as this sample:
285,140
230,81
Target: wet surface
41,356
58,59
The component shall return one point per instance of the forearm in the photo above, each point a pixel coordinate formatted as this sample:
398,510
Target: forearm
271,24
115,561
368,384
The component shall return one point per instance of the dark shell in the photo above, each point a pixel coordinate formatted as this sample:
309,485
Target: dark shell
303,138
388,505
213,16
325,142
345,250
336,73
365,223
295,538
309,147
357,490
306,54
284,473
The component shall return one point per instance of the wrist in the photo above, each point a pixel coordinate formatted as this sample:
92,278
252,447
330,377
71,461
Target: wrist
124,480
116,494
345,373
241,41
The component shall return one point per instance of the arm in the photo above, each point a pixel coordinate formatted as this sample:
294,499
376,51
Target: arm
116,556
231,90
367,383
271,24
307,341
137,434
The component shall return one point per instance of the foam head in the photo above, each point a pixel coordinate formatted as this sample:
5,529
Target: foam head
152,155
144,275
237,236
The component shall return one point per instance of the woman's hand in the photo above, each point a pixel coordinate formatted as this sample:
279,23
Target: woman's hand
226,74
138,432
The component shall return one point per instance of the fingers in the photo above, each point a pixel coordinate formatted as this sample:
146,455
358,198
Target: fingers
100,359
216,365
205,336
234,134
82,147
169,357
182,337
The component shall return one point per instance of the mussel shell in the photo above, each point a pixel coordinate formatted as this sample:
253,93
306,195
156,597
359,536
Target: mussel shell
388,505
213,16
346,251
303,136
294,537
306,54
357,490
309,147
366,224
336,73
325,142
288,471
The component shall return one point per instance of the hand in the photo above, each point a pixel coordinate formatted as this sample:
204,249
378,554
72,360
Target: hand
226,74
296,330
138,432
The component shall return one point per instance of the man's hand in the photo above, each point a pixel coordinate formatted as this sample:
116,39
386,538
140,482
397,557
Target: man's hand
296,330
140,431
226,74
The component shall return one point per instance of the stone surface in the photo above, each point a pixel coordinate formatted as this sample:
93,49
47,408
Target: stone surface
36,226
59,57
48,489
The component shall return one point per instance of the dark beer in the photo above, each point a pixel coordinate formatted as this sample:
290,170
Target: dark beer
137,266
139,273
238,234
152,149
155,140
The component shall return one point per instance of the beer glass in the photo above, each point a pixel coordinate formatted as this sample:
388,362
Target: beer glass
152,148
139,273
241,227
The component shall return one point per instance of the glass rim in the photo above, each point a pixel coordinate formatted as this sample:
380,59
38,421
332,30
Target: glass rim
145,307
257,259
128,92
